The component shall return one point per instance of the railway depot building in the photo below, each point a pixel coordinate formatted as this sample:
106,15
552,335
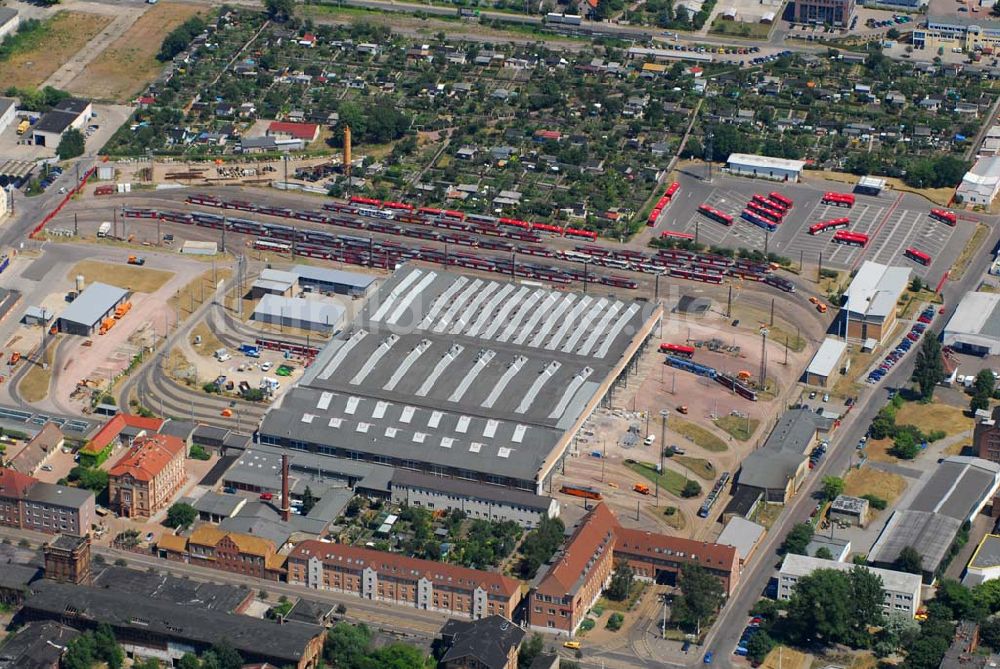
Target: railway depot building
463,377
869,310
84,315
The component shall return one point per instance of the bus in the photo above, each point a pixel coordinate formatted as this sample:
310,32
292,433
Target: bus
944,216
653,215
839,199
918,256
759,221
766,212
715,214
851,238
780,199
677,349
585,234
673,234
581,491
831,224
671,190
274,247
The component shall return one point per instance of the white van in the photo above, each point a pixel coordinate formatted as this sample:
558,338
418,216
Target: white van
222,355
650,438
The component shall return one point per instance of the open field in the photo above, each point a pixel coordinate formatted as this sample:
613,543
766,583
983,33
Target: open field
130,277
723,26
869,481
878,450
784,657
34,386
209,342
699,435
700,466
61,38
969,252
129,63
740,428
934,416
669,479
191,296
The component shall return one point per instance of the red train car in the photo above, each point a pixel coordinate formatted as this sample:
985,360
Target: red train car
677,349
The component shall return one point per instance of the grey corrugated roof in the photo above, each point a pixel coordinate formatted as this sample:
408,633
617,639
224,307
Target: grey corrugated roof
772,465
172,589
6,14
958,488
37,645
988,553
90,305
219,505
297,308
253,638
488,640
49,493
333,276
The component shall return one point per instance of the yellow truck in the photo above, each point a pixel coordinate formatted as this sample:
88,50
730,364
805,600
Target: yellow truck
23,126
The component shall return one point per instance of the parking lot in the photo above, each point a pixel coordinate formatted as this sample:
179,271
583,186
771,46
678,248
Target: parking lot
893,221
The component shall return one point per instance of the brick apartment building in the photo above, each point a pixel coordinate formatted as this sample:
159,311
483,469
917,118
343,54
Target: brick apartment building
562,595
397,579
234,552
986,438
147,477
28,504
120,430
565,591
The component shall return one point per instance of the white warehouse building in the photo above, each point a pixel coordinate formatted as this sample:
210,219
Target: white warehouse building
765,167
902,590
981,184
975,326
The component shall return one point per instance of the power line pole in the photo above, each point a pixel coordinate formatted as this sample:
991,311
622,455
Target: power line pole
772,313
708,153
729,303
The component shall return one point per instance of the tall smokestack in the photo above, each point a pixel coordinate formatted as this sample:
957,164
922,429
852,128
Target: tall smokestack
286,506
347,151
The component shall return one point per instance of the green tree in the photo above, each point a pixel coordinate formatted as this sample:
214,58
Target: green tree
106,648
71,145
759,646
959,600
540,544
621,582
917,284
347,645
308,501
929,369
701,596
227,656
530,649
867,598
926,652
833,487
93,479
909,561
823,553
81,652
181,515
280,10
397,656
820,608
989,633
798,539
691,489
188,661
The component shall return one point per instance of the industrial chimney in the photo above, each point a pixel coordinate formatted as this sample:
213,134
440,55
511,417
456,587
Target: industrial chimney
286,506
347,151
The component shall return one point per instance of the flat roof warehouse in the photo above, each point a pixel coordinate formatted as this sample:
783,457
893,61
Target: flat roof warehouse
462,376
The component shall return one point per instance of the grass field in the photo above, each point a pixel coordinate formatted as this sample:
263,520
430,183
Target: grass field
189,298
209,342
723,26
934,416
700,466
784,657
969,252
34,387
59,39
699,435
869,481
740,428
130,277
669,480
129,63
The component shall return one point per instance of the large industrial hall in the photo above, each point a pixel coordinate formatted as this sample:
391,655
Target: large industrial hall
462,376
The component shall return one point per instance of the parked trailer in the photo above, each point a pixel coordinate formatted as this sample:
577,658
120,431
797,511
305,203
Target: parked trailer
680,350
689,366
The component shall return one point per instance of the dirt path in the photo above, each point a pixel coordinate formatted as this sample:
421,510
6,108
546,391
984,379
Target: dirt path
124,17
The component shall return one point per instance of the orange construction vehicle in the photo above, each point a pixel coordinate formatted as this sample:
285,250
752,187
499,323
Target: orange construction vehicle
821,308
641,488
106,325
683,409
14,357
122,309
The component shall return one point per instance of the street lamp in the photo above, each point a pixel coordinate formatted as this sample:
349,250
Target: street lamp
663,439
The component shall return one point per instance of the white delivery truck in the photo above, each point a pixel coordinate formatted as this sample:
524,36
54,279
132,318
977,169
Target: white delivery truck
105,229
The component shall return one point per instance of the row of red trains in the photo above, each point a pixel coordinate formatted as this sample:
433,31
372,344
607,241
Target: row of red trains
368,252
524,231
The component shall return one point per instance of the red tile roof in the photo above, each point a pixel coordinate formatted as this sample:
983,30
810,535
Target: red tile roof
15,485
148,457
638,543
114,427
438,573
305,131
594,533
